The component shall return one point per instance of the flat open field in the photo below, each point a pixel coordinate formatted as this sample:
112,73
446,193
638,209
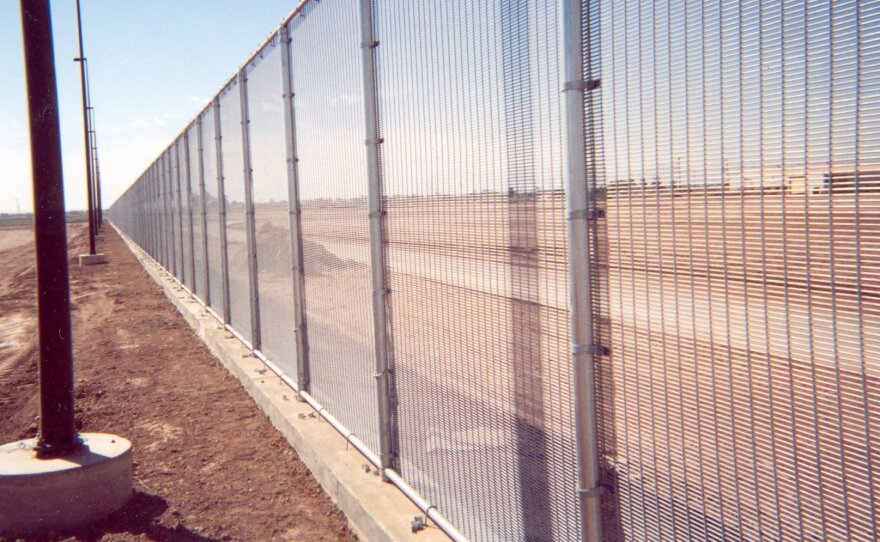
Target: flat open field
208,464
742,393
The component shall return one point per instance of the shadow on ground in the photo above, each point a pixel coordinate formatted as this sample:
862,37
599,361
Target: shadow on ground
140,516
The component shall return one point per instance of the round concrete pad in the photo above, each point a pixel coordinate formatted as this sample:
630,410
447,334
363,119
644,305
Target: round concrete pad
42,495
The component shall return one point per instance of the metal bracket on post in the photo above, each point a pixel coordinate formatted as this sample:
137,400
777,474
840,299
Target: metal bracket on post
591,349
384,362
586,214
250,216
301,336
221,202
581,85
597,491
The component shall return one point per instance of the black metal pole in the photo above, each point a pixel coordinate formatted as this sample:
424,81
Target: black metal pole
57,431
85,105
93,141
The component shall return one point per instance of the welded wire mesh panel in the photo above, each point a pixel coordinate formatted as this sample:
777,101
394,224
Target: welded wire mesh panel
212,211
471,122
741,173
167,214
236,212
271,211
327,79
185,228
198,230
174,209
154,214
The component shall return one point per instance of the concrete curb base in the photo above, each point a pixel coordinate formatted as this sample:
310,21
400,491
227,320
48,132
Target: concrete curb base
376,510
92,259
42,495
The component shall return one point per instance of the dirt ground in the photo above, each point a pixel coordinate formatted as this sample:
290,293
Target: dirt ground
208,464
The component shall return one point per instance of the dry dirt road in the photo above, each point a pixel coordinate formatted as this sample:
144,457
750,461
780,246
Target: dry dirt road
208,464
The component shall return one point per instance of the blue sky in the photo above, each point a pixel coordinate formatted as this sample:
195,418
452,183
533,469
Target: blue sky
152,67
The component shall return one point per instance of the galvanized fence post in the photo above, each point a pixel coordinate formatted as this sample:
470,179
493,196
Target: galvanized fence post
221,202
300,327
204,215
189,212
384,364
580,207
250,216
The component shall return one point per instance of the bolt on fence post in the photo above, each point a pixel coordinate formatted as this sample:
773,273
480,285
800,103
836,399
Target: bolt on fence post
250,215
189,212
221,202
303,375
384,365
578,206
204,218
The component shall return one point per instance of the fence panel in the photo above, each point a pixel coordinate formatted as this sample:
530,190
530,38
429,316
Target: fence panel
186,261
271,205
198,230
471,120
236,212
212,211
737,198
173,209
327,81
167,226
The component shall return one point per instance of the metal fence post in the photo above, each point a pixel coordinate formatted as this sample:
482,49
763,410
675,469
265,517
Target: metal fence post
204,213
221,202
189,212
303,376
579,207
250,216
384,364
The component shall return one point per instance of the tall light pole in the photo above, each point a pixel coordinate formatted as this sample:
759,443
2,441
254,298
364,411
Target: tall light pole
82,73
96,172
57,431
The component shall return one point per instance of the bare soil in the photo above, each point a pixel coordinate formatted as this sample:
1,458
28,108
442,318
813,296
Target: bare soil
208,464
